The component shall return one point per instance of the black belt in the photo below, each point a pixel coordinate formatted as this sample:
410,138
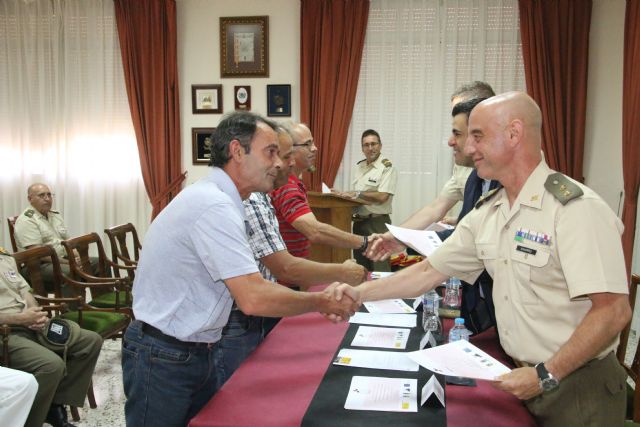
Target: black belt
158,334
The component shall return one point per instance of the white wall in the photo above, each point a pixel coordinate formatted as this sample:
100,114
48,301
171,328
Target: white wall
199,60
603,136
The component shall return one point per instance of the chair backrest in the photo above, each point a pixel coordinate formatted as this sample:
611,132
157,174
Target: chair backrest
33,259
12,231
81,246
119,236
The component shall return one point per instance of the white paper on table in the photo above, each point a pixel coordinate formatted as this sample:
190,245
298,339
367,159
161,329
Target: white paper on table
371,336
428,338
388,306
383,394
385,319
380,274
439,226
423,241
460,359
325,188
375,359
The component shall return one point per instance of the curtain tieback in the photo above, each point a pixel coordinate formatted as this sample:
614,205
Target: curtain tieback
169,188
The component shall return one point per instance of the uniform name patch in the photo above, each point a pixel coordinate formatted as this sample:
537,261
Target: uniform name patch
526,250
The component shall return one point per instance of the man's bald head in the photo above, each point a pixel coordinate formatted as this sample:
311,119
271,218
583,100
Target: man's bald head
505,135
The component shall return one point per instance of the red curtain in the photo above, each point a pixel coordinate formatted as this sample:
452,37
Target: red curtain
147,32
631,126
555,49
332,38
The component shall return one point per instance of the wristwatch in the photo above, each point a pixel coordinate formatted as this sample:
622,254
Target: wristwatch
547,381
357,195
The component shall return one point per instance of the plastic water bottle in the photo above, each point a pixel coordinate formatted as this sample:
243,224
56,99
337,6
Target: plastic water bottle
459,332
430,319
453,294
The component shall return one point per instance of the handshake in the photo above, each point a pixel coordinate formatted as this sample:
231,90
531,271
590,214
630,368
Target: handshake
339,302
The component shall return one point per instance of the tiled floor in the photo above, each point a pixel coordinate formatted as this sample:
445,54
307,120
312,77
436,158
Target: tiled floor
107,386
110,395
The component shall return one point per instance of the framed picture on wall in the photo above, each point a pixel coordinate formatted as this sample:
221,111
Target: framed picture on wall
206,99
242,98
279,100
201,145
244,46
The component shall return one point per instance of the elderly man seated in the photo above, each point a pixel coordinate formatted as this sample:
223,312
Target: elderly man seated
40,225
60,381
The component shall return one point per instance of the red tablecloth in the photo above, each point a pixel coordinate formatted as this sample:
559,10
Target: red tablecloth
274,386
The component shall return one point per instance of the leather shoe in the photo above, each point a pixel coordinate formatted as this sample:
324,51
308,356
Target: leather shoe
57,416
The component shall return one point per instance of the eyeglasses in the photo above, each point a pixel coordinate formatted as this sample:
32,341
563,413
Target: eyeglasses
370,144
308,144
46,195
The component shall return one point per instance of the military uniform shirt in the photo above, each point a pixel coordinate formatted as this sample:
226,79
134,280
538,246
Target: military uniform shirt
12,285
33,228
544,257
454,187
379,176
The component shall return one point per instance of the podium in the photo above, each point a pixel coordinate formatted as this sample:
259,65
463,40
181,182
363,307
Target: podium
335,210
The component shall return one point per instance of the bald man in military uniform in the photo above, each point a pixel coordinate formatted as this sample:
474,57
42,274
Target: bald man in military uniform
374,183
60,382
39,224
553,249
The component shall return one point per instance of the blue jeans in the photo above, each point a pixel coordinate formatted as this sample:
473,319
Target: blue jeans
240,337
165,384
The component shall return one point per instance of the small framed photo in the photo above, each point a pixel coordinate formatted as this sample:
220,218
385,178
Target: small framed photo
279,100
206,99
244,46
201,140
242,98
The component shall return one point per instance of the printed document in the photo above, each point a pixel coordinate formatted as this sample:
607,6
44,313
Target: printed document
375,359
385,319
383,394
371,336
423,241
388,306
460,359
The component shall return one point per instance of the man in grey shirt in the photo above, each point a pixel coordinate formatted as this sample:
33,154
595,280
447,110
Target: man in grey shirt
196,262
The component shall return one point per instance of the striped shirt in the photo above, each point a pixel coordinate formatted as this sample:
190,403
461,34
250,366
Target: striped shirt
290,202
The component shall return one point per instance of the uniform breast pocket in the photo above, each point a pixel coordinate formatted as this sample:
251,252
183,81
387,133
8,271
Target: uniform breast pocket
528,264
488,254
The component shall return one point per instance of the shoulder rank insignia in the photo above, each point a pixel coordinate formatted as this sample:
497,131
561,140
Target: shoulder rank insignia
29,213
486,197
562,188
363,160
3,251
386,163
55,212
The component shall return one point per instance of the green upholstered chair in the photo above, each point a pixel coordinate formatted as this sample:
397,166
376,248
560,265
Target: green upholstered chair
121,237
78,249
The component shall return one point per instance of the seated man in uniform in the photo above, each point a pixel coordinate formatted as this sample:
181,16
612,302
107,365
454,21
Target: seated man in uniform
59,382
40,225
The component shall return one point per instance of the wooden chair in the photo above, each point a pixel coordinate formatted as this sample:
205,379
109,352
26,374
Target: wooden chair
118,236
108,323
80,265
12,231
